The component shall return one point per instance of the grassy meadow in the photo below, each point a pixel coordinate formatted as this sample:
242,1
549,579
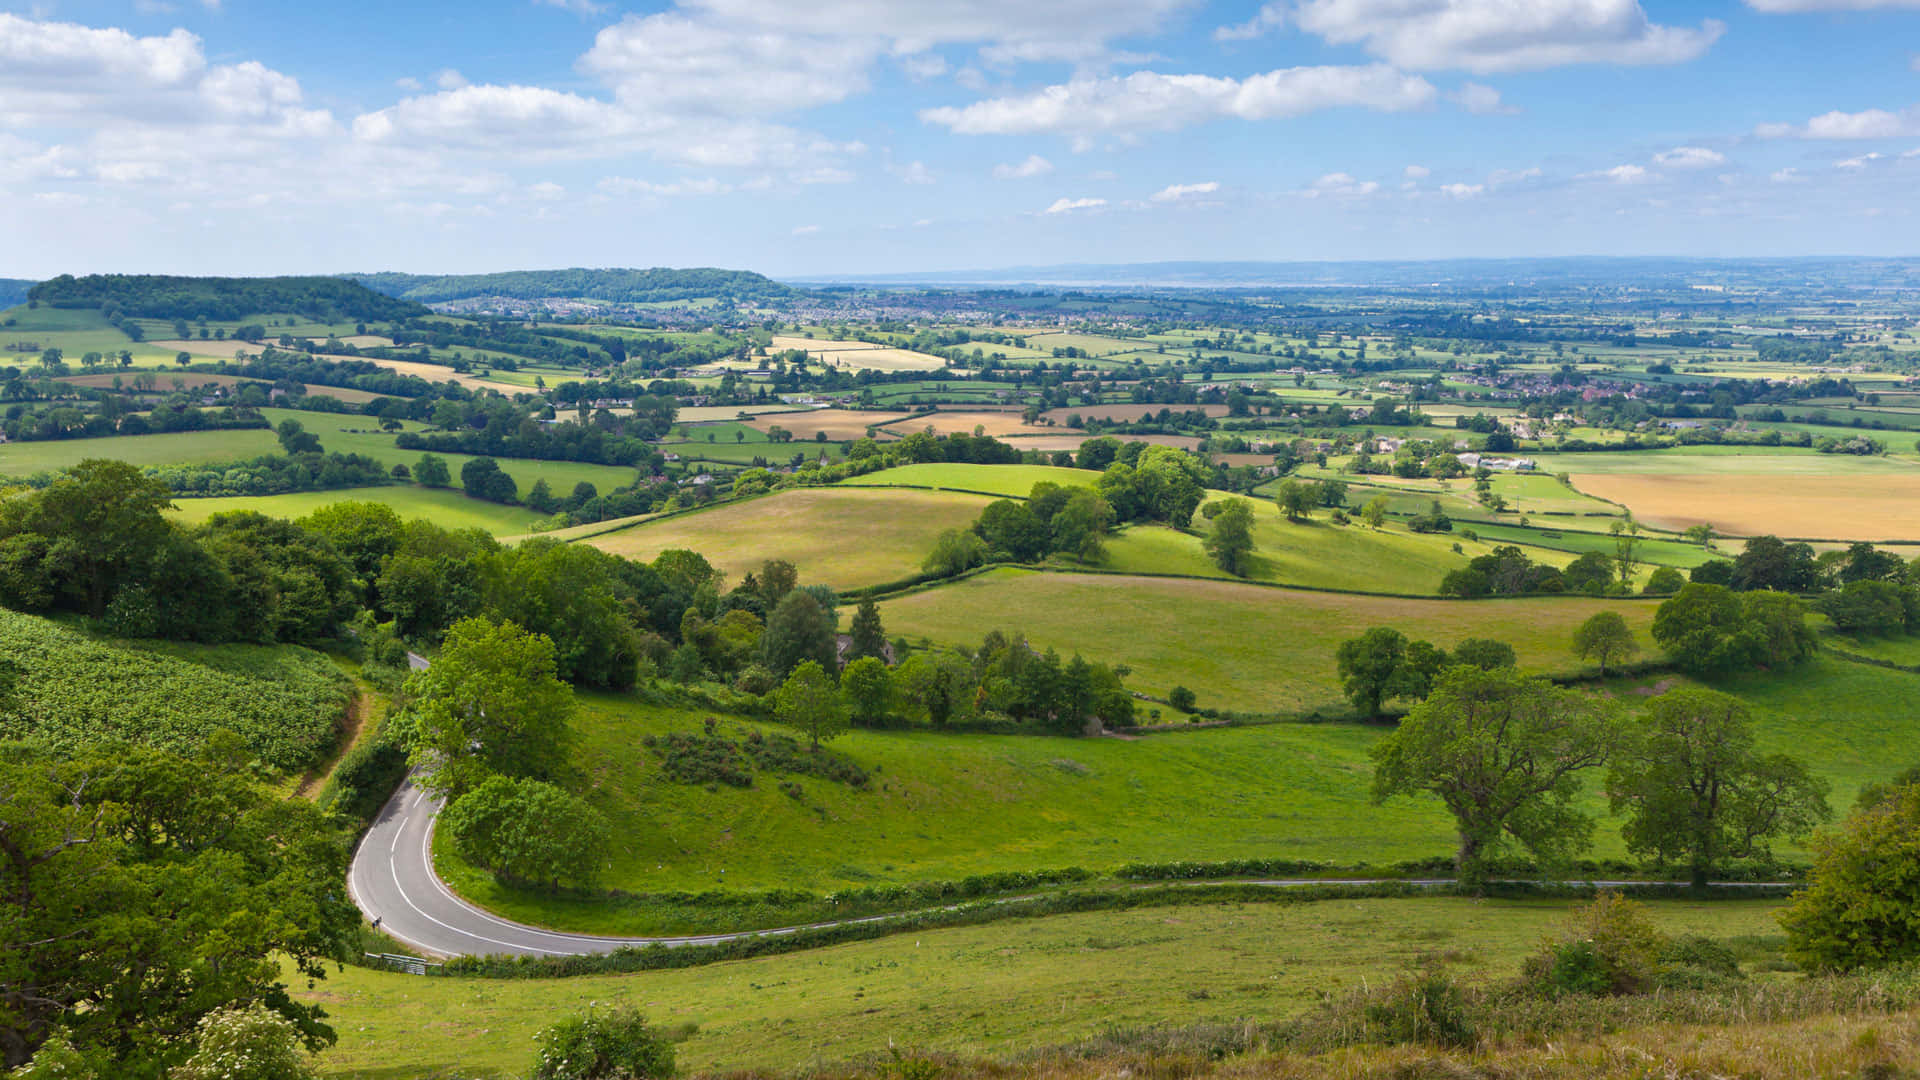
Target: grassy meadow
1011,481
1241,647
998,988
446,507
844,537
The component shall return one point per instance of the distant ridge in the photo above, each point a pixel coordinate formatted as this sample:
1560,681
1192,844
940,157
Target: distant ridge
164,296
1564,272
612,285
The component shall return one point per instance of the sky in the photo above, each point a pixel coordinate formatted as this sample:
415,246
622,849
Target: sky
835,137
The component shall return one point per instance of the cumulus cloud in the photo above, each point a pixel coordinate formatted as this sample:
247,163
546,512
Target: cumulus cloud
1481,100
1416,172
675,63
1503,177
1787,176
1068,206
1149,101
1462,191
1502,35
1270,17
1035,165
1866,124
449,79
1340,185
1689,157
1858,163
1620,174
1177,192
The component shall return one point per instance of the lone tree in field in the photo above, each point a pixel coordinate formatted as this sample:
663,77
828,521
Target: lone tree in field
809,701
1504,753
1695,790
1374,513
1297,499
869,637
1604,638
1230,539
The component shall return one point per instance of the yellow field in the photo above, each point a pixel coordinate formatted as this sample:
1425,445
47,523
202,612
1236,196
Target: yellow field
860,355
844,537
1072,442
839,424
1856,507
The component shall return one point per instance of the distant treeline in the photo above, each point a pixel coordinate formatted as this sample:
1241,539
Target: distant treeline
159,296
616,285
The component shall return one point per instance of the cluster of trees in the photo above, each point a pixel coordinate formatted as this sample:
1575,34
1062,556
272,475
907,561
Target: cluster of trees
1712,629
96,541
1505,754
497,427
1005,684
1054,519
1383,663
1862,589
144,892
1507,571
159,296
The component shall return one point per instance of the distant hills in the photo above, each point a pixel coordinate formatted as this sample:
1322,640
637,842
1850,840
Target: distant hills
161,296
613,285
13,291
1568,272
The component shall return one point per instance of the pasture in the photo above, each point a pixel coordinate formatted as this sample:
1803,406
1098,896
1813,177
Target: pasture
1012,481
445,507
1000,988
1249,648
844,537
172,448
984,422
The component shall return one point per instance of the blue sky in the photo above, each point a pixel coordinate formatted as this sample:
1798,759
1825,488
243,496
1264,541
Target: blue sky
841,136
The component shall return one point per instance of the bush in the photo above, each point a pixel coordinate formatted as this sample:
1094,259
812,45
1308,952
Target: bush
1862,907
613,1045
1607,947
1425,1005
253,1043
365,778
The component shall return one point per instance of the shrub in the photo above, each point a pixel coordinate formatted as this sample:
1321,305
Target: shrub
1606,947
1425,1005
612,1045
1863,905
253,1043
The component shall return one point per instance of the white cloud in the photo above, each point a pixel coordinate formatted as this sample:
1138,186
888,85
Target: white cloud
1689,157
1858,163
449,79
1271,16
1865,124
1620,174
1177,192
1787,176
1416,172
673,63
1481,100
546,191
922,66
409,83
1462,191
805,230
1504,35
622,185
1149,101
913,172
1035,165
1067,206
1341,185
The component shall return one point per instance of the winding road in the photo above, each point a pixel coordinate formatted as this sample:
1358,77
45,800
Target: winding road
393,882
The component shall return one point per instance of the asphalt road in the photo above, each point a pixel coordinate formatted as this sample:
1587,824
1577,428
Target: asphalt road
393,882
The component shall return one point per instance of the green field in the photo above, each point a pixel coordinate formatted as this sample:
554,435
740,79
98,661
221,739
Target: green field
174,448
1001,988
446,507
844,537
1013,481
361,435
1242,647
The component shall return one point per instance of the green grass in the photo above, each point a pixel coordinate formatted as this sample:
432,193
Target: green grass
1904,650
1014,481
1241,647
445,507
175,448
997,988
844,537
